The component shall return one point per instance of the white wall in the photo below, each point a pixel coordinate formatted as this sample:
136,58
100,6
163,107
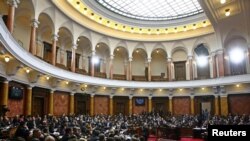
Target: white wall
158,64
138,64
118,64
179,55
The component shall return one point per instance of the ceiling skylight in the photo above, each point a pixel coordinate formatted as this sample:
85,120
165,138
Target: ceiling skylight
153,10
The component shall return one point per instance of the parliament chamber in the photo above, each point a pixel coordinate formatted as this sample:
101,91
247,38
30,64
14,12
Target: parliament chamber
123,69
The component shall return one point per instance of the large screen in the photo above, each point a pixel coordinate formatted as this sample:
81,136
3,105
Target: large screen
15,93
139,101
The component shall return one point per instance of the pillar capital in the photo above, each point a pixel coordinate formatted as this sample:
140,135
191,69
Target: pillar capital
52,91
93,52
74,46
111,96
213,53
149,60
6,81
170,97
190,57
224,95
13,3
130,97
54,37
111,57
30,87
130,59
92,95
220,51
169,59
149,97
72,94
191,97
35,23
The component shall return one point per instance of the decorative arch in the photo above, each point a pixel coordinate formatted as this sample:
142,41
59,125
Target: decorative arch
200,41
104,40
161,47
232,34
122,44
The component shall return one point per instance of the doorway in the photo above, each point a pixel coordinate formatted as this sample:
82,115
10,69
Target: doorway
180,70
38,106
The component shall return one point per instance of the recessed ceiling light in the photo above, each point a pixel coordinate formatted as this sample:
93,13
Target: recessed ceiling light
194,26
185,28
6,59
204,23
47,77
227,12
27,70
222,1
238,85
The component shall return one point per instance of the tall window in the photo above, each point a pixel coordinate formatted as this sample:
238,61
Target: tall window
77,59
201,55
69,56
47,53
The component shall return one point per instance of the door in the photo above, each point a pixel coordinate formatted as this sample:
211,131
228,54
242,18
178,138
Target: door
180,70
81,107
38,106
120,108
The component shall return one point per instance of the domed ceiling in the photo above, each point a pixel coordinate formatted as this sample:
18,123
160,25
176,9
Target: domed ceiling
140,20
153,10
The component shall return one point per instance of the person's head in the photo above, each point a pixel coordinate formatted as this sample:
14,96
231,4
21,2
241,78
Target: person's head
68,131
101,137
49,138
36,133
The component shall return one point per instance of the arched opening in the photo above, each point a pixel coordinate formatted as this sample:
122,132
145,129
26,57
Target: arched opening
120,63
65,42
159,65
139,67
179,57
237,60
83,53
101,60
44,38
202,61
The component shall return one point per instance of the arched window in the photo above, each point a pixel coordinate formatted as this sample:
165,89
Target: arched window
236,50
201,55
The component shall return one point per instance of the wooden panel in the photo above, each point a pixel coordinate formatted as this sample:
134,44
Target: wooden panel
181,105
239,104
61,103
101,105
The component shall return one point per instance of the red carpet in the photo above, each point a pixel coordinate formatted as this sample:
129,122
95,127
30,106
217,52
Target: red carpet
190,139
